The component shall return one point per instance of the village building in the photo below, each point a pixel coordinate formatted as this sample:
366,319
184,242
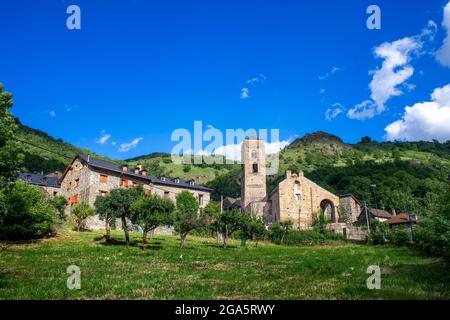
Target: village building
295,199
402,219
86,178
48,183
376,214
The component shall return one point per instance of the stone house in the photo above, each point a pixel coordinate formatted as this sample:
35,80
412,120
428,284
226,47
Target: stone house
295,199
48,183
86,178
377,214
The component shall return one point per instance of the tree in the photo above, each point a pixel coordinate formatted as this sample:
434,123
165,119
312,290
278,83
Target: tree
229,222
188,217
150,213
120,202
279,230
10,157
366,139
212,212
25,212
257,229
60,204
82,211
104,211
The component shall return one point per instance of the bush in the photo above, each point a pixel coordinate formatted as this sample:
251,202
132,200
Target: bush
432,236
82,211
399,236
26,213
378,232
310,237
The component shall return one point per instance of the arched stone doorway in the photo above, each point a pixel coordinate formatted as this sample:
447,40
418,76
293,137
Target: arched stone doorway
329,210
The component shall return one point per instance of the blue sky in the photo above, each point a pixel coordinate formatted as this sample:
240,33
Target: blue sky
137,70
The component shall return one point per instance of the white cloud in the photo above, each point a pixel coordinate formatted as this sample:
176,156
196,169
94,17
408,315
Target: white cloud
124,147
395,70
233,151
322,91
258,78
443,54
245,93
424,121
113,143
52,114
333,112
362,111
332,72
104,137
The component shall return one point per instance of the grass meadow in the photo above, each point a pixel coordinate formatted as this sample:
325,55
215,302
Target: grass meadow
204,270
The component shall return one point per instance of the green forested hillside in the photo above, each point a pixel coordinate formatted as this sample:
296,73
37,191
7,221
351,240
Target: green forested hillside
44,153
408,175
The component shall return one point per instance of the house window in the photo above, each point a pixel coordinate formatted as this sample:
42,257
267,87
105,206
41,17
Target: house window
255,168
77,182
166,194
124,183
69,185
103,178
297,191
103,193
200,199
55,193
254,154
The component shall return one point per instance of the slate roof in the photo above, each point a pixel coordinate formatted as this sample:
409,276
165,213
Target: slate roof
380,213
115,167
40,180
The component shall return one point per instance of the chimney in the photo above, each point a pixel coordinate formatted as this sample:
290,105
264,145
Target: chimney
139,166
125,168
301,174
144,172
88,158
136,170
393,212
288,174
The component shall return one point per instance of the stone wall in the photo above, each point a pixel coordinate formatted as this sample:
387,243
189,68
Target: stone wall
253,184
299,200
355,233
352,207
90,186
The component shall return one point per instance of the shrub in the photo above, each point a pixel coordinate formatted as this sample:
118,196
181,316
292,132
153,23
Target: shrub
310,237
82,211
278,231
27,213
432,236
60,203
399,236
378,232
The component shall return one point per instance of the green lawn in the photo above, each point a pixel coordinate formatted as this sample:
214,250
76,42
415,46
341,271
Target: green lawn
205,271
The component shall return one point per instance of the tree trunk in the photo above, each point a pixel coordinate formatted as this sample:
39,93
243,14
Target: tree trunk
108,230
144,240
125,230
225,238
217,236
183,240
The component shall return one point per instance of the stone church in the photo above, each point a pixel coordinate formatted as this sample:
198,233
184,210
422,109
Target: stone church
295,199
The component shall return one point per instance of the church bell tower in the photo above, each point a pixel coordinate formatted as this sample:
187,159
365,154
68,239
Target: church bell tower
253,173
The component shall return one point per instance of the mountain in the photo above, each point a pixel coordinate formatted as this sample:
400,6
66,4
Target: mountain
44,153
409,175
